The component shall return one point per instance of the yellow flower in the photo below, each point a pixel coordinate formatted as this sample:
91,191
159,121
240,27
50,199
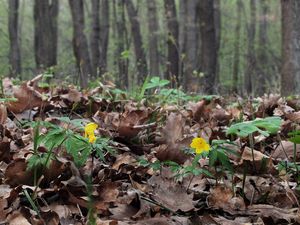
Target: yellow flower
200,145
89,131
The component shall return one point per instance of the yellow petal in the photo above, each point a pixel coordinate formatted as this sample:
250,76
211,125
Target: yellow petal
92,138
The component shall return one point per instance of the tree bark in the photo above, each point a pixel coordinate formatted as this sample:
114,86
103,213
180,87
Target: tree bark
45,32
251,59
236,58
80,45
120,34
141,62
190,45
218,28
95,37
262,54
104,35
173,50
290,74
14,39
208,45
153,34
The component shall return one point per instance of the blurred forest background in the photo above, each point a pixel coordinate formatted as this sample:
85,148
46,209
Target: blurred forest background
247,47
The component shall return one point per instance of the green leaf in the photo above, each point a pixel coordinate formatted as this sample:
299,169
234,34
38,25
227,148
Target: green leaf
270,125
225,161
294,136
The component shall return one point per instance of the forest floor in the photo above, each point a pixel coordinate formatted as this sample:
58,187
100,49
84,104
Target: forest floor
103,157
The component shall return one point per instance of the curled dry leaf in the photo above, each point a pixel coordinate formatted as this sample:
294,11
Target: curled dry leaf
170,194
172,133
285,150
16,173
221,197
27,98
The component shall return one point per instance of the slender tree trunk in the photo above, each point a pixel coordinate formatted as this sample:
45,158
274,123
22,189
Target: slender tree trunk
13,30
190,45
173,50
45,32
95,37
80,45
236,60
251,60
104,34
217,19
208,45
141,62
290,74
153,43
262,55
121,42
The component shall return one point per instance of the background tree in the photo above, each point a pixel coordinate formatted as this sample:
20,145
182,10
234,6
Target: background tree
172,63
236,60
45,32
121,37
208,45
95,37
290,79
104,34
14,39
262,54
153,36
141,62
80,45
251,30
190,44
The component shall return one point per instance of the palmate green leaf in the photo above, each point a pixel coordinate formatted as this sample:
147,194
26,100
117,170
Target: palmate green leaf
270,125
223,158
79,148
213,157
294,137
156,82
53,138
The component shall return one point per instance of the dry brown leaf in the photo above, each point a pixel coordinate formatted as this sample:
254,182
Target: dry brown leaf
221,197
170,194
27,97
266,211
17,173
285,150
16,218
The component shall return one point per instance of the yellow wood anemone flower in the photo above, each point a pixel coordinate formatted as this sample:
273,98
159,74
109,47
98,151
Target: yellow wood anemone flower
200,145
89,131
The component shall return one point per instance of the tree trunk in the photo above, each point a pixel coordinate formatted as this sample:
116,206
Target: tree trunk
217,19
104,35
120,34
208,45
45,32
153,43
95,37
13,29
80,45
290,74
251,60
173,53
190,45
236,59
262,55
141,62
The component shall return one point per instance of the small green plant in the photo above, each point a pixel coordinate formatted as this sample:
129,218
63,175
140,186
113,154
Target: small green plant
79,147
295,138
150,83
